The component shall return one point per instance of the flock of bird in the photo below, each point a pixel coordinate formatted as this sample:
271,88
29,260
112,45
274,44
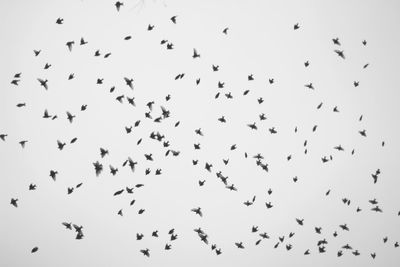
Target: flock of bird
163,114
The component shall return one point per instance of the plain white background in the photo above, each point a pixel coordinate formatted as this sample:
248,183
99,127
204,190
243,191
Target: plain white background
261,41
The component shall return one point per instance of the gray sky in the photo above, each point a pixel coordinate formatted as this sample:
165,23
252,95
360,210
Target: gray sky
260,41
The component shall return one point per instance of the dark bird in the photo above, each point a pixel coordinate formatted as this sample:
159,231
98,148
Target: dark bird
269,205
103,152
20,105
35,249
67,225
98,167
336,41
73,140
83,42
60,21
173,19
70,117
14,202
197,211
195,53
363,133
231,187
225,31
113,170
296,26
60,145
199,132
3,136
150,27
222,119
310,86
252,126
69,45
15,82
356,83
53,174
239,245
32,187
340,53
118,5
145,252
43,83
37,52
149,157
139,236
129,82
22,143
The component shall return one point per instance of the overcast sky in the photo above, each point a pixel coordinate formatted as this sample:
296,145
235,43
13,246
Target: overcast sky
261,41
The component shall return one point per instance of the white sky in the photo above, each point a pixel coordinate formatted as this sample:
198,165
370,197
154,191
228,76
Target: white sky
260,41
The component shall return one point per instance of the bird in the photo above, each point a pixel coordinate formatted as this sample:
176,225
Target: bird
340,53
118,5
67,225
82,41
239,245
53,174
173,19
70,117
225,31
69,45
32,187
35,249
195,53
15,82
60,145
23,143
310,86
197,211
14,202
129,82
43,83
3,136
336,41
145,252
98,168
296,26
